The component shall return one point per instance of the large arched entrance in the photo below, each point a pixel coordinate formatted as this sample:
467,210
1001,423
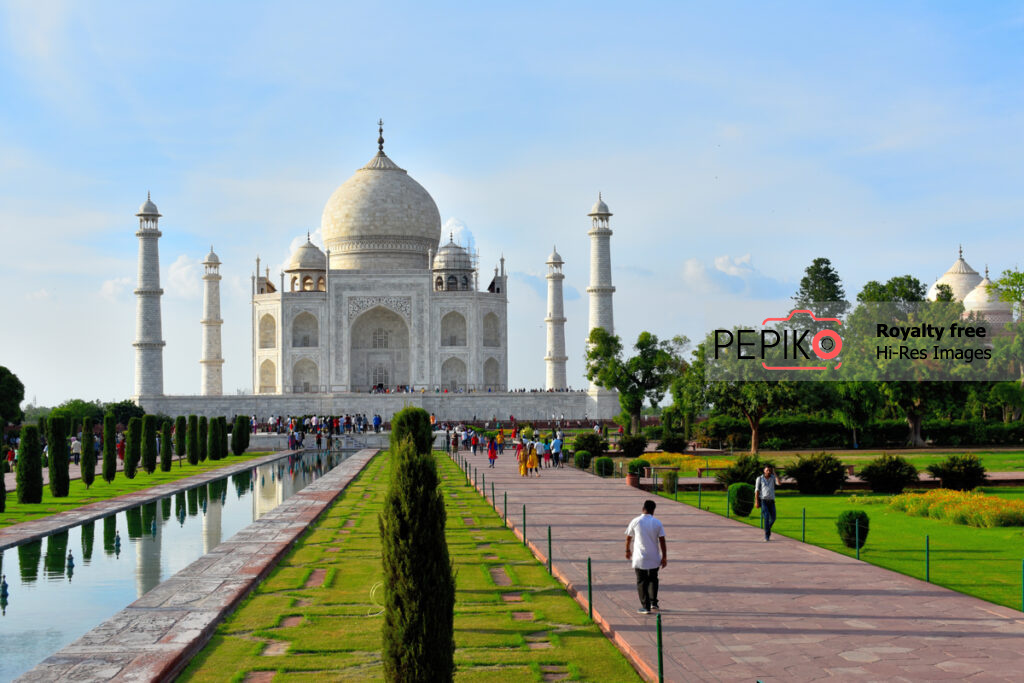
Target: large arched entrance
379,353
453,374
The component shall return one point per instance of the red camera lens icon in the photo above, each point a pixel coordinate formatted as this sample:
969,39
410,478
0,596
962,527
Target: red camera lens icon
827,344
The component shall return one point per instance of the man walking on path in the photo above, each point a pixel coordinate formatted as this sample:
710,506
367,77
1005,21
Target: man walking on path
645,546
764,498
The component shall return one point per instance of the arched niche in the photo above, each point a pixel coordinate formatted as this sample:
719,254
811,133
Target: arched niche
453,374
321,285
379,341
305,376
268,331
492,330
453,329
305,331
491,373
268,377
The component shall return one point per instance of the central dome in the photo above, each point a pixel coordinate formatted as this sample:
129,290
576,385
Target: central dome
380,219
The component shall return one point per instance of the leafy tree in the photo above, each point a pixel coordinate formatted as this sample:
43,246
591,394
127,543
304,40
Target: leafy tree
124,411
689,396
889,474
204,435
240,435
132,447
645,376
192,440
822,290
412,423
166,449
57,457
12,393
30,466
749,400
1009,396
419,584
76,410
88,466
856,405
213,440
1010,288
149,451
905,289
34,413
180,430
109,447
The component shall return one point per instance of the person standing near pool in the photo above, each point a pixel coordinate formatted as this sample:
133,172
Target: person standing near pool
764,498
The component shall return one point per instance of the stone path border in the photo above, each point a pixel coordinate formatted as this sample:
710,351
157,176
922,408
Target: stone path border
154,637
17,534
737,608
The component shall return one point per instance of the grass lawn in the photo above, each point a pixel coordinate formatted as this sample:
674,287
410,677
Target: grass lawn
78,495
985,563
318,616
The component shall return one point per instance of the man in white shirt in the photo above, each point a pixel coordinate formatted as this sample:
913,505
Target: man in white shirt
645,546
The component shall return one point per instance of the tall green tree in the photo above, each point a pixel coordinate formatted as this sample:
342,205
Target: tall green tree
821,289
240,435
223,433
149,450
88,467
204,435
192,440
109,447
132,447
166,447
30,466
414,423
12,393
419,584
76,410
124,411
645,376
1010,288
180,431
57,457
213,440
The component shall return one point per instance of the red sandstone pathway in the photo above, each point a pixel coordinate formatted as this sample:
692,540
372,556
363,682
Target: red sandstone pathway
737,608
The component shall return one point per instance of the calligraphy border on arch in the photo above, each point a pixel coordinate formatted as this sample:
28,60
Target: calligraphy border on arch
359,304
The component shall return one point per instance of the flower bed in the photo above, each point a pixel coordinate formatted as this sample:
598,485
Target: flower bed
961,507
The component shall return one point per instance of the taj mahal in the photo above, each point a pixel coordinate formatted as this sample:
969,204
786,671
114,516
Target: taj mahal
390,313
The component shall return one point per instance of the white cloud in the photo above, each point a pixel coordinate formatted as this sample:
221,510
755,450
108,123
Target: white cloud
113,289
37,295
733,275
455,229
184,278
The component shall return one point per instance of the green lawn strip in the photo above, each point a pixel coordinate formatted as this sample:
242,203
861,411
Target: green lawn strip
332,631
985,563
100,490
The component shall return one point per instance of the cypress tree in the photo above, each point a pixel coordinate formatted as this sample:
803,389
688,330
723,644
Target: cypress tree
149,453
419,585
3,492
88,535
166,449
57,439
193,440
88,453
132,447
204,435
213,440
412,423
180,428
239,432
223,436
109,447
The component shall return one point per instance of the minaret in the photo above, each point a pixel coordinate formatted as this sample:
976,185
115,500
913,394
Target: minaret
212,382
600,289
555,359
149,346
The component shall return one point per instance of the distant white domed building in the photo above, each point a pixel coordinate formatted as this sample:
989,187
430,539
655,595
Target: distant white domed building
977,293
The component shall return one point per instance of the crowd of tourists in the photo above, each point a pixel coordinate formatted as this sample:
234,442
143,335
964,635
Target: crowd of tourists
532,449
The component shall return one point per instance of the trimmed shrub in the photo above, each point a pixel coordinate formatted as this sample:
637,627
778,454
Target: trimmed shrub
418,641
818,473
590,442
240,435
747,469
959,472
204,436
88,453
604,467
670,480
853,527
633,446
57,439
741,498
132,447
149,452
192,440
166,448
180,437
675,443
412,423
109,447
637,466
889,474
213,440
581,459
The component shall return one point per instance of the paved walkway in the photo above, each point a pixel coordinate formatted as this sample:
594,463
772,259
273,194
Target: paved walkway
737,608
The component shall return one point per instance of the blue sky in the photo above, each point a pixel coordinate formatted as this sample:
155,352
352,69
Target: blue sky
734,143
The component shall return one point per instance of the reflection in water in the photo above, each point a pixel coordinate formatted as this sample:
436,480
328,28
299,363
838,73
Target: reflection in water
52,613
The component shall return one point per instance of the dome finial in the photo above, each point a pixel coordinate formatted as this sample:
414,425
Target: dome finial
961,251
148,197
598,195
380,135
986,271
307,236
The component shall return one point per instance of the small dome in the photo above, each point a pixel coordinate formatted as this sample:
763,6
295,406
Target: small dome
984,299
211,258
599,208
555,256
960,277
307,257
148,208
452,257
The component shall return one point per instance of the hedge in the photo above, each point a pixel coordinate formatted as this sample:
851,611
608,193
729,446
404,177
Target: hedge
604,466
741,498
